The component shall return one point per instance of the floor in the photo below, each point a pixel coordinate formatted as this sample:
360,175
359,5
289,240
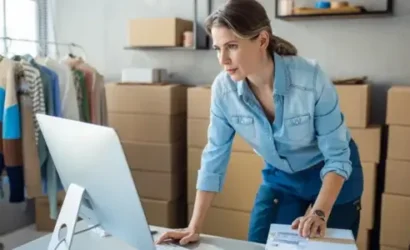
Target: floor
20,237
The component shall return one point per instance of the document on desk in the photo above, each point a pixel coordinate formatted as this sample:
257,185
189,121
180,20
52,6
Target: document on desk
282,237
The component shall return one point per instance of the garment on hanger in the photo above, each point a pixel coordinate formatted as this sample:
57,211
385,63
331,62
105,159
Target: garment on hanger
10,146
82,95
68,95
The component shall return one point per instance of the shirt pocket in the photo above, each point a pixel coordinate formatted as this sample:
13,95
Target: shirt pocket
244,126
298,128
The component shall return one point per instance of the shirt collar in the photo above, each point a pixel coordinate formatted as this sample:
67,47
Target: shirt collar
281,80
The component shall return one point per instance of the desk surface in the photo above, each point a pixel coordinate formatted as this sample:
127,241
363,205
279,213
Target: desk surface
90,240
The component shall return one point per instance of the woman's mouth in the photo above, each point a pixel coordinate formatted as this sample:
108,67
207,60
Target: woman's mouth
231,71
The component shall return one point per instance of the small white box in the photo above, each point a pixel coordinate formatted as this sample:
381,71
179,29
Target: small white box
282,237
144,75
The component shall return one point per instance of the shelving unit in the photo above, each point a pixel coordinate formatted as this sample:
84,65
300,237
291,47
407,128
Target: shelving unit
364,14
201,40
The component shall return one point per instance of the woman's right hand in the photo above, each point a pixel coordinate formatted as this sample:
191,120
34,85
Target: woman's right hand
184,236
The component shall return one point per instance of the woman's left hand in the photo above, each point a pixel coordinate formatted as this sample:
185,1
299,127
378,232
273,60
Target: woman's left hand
311,226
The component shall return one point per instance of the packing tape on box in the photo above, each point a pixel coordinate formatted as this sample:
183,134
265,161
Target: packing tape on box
333,240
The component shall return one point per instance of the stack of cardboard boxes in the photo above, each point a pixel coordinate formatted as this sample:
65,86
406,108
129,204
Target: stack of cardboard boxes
230,211
150,120
395,214
355,103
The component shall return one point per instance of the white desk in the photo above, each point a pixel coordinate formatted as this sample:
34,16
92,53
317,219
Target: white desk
89,240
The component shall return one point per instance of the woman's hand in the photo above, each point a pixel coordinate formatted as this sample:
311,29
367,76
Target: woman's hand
311,226
184,236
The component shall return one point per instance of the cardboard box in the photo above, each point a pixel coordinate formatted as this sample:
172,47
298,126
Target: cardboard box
397,177
398,101
165,214
395,221
172,185
42,212
167,157
367,214
153,32
368,141
391,248
199,102
198,136
363,239
148,128
354,101
242,167
282,236
160,99
225,223
398,143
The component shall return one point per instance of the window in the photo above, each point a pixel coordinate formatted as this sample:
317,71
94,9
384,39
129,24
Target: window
21,23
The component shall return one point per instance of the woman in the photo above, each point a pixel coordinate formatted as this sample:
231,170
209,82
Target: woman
287,109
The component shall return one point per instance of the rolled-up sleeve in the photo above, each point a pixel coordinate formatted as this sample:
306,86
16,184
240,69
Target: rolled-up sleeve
332,133
216,154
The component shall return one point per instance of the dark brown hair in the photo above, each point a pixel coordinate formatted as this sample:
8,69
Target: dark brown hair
247,18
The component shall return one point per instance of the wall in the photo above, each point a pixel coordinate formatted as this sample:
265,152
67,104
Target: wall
375,47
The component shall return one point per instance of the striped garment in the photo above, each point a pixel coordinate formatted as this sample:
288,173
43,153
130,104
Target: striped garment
33,78
10,128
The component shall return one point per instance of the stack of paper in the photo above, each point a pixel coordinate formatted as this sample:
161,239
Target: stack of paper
282,237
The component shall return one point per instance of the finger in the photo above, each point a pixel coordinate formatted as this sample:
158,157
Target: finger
307,227
185,240
169,235
322,230
315,229
295,223
301,225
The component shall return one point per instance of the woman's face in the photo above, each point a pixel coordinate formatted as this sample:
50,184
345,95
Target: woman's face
238,57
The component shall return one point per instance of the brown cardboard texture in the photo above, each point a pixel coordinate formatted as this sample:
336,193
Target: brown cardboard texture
368,141
166,157
363,242
165,214
198,136
395,221
367,213
354,101
225,223
398,103
158,32
148,127
161,99
173,186
391,248
242,168
199,102
398,147
397,177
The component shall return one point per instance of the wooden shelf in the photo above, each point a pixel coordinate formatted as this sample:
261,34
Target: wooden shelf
164,48
362,14
367,14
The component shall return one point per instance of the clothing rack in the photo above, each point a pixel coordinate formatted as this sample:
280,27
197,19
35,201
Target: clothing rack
40,42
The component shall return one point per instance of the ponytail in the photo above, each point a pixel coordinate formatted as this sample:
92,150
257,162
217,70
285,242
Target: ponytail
281,46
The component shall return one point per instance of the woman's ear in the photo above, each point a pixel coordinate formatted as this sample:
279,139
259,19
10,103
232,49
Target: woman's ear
264,39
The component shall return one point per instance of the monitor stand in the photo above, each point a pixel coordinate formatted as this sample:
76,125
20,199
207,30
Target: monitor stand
75,203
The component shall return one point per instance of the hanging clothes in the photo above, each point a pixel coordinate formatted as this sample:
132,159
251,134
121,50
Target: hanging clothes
82,95
68,95
70,89
10,146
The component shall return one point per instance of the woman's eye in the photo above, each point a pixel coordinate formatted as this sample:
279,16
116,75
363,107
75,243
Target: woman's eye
232,46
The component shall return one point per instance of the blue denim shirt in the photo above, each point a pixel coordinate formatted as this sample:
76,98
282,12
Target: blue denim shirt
308,127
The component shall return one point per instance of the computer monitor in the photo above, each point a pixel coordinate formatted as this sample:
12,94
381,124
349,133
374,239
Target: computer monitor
91,156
